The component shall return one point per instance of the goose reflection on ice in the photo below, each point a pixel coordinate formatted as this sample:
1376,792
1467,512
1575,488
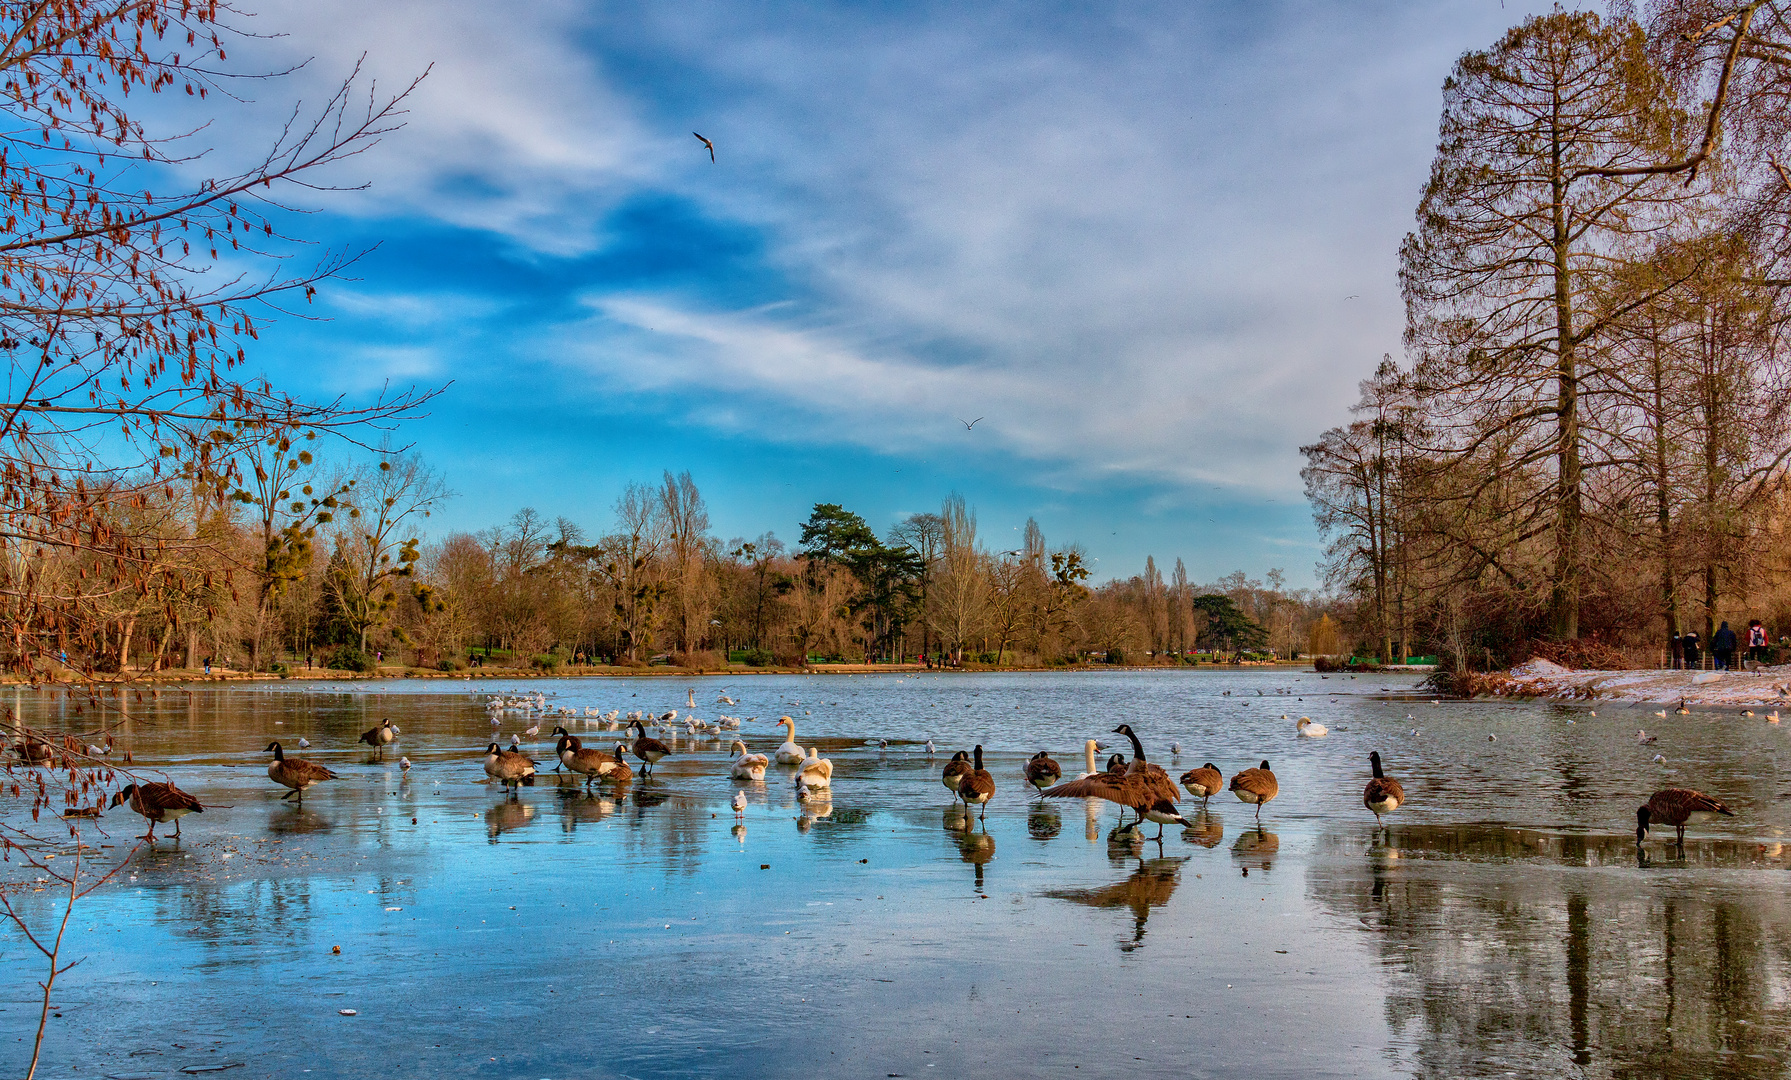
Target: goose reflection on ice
1204,829
580,808
1044,822
1255,849
978,848
507,816
1147,887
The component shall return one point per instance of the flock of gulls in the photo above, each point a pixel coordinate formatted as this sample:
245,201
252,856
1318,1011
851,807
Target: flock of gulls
1137,785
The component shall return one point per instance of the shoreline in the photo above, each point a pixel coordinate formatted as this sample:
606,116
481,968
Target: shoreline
223,676
1540,679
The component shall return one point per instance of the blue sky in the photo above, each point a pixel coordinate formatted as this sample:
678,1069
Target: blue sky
1152,245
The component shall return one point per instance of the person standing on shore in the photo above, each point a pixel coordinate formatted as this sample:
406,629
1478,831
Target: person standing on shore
1722,648
1756,641
1689,645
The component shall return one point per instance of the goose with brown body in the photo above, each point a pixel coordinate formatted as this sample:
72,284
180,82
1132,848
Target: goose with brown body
1203,783
1139,785
647,749
1257,786
1675,806
381,736
511,768
619,772
1383,794
1042,772
953,773
977,786
295,773
160,803
573,755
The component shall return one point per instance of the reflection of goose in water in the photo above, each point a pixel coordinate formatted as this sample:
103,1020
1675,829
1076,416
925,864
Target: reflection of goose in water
507,816
298,823
1204,829
1044,822
978,848
1150,886
582,808
1256,848
954,819
646,797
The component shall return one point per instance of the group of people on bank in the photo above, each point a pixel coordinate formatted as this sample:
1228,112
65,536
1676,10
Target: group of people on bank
1688,649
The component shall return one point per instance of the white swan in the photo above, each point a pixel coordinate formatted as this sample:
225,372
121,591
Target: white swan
1311,730
747,766
789,753
1088,760
816,772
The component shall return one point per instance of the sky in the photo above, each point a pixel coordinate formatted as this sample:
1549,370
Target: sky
1149,249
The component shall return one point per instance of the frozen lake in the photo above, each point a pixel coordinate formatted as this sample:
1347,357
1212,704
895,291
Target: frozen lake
1501,927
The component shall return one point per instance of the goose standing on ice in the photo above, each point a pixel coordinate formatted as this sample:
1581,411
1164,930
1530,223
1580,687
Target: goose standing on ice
953,773
1042,772
1675,806
159,804
378,737
509,768
574,755
1257,786
747,766
1383,794
977,786
295,773
647,749
789,753
1203,783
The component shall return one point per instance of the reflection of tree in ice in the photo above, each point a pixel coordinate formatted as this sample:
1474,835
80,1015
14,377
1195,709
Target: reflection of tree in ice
1548,951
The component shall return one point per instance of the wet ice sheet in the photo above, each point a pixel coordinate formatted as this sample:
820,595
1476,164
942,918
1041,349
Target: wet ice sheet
560,935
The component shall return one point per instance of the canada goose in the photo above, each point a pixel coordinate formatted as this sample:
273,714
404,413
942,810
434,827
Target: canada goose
789,753
977,786
1203,783
618,771
815,772
747,766
648,750
1042,772
33,751
1675,806
160,803
1382,795
295,773
508,767
574,756
1256,786
1311,730
955,770
378,737
1139,785
1164,813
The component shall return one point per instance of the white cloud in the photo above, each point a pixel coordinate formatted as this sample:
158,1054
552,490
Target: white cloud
1123,237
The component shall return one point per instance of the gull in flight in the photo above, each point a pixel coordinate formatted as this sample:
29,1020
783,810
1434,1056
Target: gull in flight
708,144
968,424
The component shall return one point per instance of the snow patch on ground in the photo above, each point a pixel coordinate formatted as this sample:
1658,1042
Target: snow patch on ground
1541,678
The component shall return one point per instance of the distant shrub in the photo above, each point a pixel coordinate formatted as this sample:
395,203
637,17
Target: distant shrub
1116,656
349,658
450,663
758,658
545,662
280,669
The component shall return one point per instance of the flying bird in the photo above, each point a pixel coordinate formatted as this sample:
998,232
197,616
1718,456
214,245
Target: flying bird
708,144
968,424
